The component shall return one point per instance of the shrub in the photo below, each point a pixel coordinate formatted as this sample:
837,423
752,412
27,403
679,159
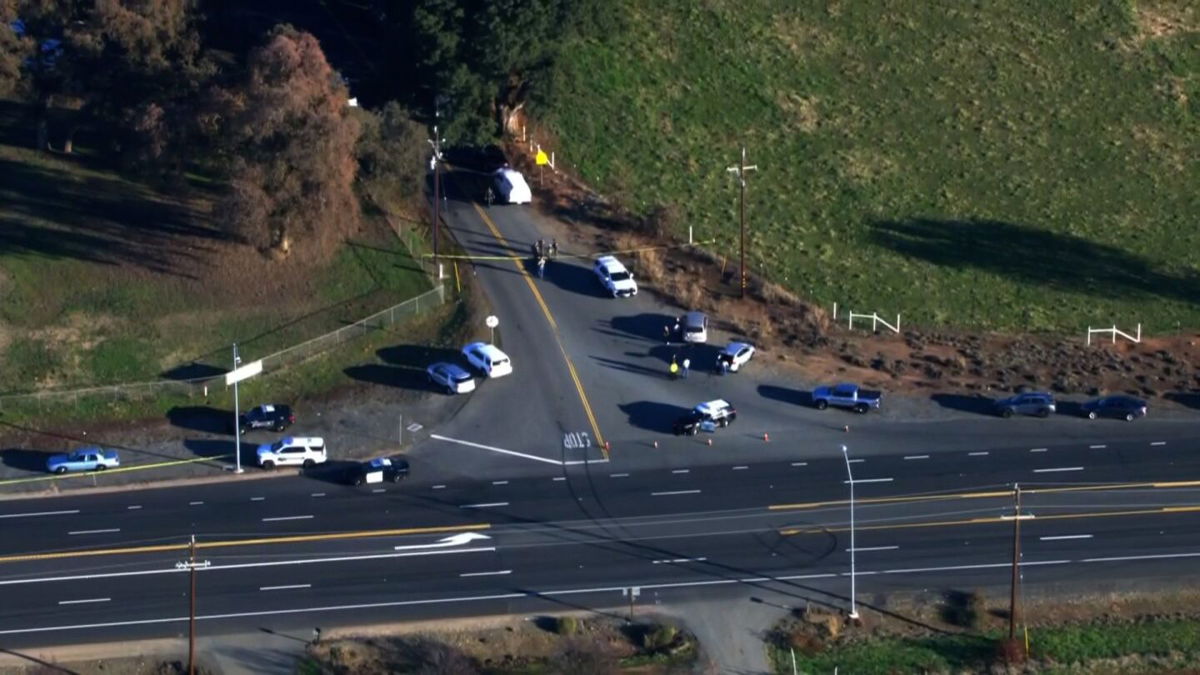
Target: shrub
568,625
659,637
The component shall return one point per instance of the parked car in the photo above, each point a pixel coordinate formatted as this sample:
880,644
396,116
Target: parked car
510,186
614,277
84,459
846,395
378,470
695,327
705,417
292,451
451,377
1029,403
735,355
488,359
271,416
1121,406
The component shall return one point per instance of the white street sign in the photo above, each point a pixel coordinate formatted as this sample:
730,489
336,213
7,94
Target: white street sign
492,321
245,372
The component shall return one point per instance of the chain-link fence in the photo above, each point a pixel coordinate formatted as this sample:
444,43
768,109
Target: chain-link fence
115,397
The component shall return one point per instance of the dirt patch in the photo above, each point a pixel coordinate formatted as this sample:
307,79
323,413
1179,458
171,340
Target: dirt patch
567,644
820,346
1164,19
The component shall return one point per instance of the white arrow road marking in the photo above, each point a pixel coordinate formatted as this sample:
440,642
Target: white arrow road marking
453,540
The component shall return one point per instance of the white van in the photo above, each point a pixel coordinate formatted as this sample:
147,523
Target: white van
511,187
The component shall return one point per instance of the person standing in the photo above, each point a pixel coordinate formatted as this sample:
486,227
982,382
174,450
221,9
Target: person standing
687,363
674,369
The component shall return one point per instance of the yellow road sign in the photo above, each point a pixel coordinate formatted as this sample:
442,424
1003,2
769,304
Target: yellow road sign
542,157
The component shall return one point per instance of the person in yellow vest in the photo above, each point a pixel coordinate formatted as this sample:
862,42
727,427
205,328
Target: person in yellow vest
674,368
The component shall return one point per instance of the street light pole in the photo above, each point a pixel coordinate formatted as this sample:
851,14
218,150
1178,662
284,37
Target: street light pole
853,588
1012,599
237,423
436,142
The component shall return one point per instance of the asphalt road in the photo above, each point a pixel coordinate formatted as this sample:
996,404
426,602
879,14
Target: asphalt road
499,517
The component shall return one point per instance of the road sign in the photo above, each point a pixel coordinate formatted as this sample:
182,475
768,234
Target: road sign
542,158
492,321
577,440
244,373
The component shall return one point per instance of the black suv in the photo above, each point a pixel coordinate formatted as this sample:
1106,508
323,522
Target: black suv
1028,403
394,470
266,416
718,413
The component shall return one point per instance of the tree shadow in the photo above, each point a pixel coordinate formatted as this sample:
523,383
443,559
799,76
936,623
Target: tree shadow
574,277
1033,256
976,404
334,471
201,418
631,367
786,395
25,460
652,415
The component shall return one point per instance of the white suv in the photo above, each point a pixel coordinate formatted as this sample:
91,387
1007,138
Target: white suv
488,359
614,277
292,451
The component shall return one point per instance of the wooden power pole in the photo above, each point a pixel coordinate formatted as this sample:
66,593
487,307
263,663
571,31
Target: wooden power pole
741,170
191,565
1016,564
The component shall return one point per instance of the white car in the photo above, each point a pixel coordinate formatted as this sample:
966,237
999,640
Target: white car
488,359
614,277
292,451
451,377
737,354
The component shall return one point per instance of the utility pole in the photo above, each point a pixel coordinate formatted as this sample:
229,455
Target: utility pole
436,142
741,170
191,565
1012,600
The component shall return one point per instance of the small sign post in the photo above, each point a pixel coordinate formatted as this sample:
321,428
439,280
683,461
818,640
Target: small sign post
491,322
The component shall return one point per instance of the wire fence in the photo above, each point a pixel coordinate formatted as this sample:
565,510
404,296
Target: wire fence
117,395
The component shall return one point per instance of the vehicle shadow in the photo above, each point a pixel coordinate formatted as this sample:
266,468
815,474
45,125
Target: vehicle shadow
25,460
201,418
334,471
977,404
1190,399
652,415
786,394
392,376
419,356
573,277
646,325
1069,408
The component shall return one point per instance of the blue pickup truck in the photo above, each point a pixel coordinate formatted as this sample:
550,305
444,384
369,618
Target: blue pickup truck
84,459
846,396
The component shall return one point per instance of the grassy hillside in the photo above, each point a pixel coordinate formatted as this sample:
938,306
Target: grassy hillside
1019,164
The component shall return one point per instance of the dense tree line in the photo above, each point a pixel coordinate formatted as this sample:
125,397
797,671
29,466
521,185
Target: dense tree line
477,62
271,119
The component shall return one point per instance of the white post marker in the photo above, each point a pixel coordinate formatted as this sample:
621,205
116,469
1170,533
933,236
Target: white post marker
233,377
491,322
850,477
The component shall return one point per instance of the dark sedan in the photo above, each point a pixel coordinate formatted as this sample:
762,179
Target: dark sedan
1127,408
378,470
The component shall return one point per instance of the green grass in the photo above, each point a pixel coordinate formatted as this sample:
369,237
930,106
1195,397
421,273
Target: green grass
1179,638
1006,165
92,293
